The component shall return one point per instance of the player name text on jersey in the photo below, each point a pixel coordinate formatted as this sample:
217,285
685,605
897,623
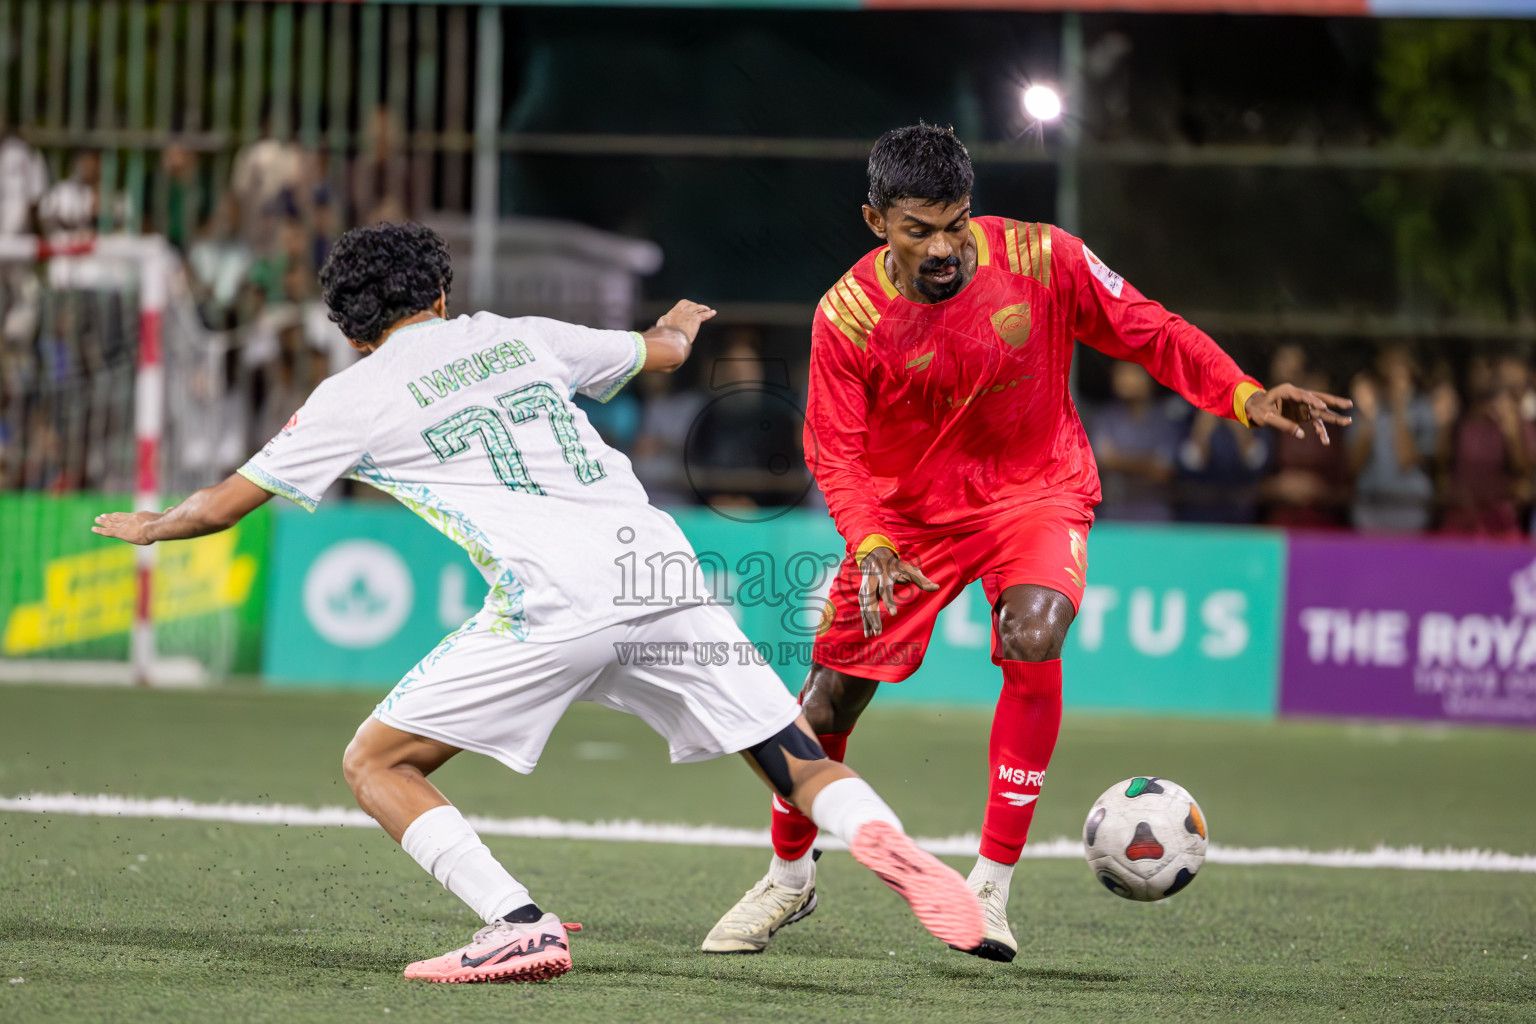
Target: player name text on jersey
499,358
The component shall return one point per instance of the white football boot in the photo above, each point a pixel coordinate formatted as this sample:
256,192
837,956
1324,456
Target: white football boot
999,943
767,907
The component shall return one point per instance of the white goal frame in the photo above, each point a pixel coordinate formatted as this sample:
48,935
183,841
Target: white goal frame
157,270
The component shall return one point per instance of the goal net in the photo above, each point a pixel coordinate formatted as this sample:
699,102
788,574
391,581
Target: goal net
114,395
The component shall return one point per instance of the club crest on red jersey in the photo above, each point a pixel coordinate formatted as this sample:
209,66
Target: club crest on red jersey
1012,324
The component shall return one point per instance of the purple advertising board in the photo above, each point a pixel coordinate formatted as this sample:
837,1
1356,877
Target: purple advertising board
1410,629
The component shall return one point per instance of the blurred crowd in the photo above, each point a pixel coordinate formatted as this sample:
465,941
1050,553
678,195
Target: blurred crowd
251,234
1429,449
1443,447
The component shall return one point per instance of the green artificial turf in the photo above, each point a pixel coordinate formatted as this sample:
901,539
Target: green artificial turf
133,920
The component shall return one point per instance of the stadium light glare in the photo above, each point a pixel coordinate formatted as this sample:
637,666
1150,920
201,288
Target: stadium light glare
1042,103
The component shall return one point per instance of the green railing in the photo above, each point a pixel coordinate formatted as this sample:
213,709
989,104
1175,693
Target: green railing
412,90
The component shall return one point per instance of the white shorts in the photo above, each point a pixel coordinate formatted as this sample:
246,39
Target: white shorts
482,691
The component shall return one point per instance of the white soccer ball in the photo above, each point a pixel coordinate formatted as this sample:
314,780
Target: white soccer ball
1145,838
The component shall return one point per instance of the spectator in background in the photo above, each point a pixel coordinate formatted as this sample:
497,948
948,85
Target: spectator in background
1392,446
1515,379
323,213
1307,484
1491,457
73,205
10,470
326,337
381,173
1220,465
666,416
1289,362
1445,404
287,375
182,195
267,175
744,451
221,263
1136,444
23,183
616,421
42,456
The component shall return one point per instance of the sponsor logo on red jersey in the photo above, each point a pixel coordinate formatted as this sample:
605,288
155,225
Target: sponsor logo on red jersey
1111,281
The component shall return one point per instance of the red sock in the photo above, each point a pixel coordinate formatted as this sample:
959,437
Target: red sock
793,832
1024,729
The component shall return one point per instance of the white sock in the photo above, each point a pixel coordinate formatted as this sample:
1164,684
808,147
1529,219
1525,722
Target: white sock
793,874
992,871
443,842
845,806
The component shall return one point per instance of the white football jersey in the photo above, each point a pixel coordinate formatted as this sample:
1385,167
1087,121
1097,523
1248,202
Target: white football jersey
470,424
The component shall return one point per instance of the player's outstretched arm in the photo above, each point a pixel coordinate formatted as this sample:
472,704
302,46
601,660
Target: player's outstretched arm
883,569
668,343
1287,407
207,511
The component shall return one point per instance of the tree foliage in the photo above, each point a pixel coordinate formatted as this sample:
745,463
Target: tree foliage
1465,238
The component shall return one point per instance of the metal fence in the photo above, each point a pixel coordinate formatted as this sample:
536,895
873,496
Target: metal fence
399,108
383,99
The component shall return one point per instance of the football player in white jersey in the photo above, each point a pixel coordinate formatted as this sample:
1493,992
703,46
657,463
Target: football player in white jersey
469,422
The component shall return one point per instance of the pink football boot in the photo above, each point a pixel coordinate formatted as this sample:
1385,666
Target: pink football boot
504,952
938,895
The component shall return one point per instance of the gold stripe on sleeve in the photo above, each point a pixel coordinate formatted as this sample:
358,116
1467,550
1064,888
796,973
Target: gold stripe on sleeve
858,292
851,306
838,303
844,323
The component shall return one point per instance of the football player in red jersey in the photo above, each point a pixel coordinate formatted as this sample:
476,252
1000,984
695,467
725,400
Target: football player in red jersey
941,429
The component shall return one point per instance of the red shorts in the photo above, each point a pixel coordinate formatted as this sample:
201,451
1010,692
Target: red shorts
1046,545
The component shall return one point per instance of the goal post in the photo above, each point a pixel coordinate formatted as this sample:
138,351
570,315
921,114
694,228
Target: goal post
103,352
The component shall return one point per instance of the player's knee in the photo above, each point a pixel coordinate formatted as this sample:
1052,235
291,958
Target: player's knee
353,766
829,701
818,710
1033,625
1030,637
1031,645
1033,642
358,763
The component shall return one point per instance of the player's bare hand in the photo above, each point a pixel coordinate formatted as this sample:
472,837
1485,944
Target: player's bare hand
1289,408
129,526
686,316
883,570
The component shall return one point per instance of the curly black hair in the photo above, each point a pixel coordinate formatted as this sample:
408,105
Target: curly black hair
920,161
377,276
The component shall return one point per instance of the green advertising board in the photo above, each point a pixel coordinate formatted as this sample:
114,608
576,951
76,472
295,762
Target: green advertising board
1174,618
360,592
68,593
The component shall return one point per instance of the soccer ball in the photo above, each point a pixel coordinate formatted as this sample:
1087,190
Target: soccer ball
1145,838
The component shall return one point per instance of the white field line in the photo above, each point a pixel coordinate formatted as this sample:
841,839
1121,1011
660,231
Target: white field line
632,831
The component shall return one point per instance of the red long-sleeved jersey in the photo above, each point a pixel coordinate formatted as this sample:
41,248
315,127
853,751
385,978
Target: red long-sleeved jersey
931,418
